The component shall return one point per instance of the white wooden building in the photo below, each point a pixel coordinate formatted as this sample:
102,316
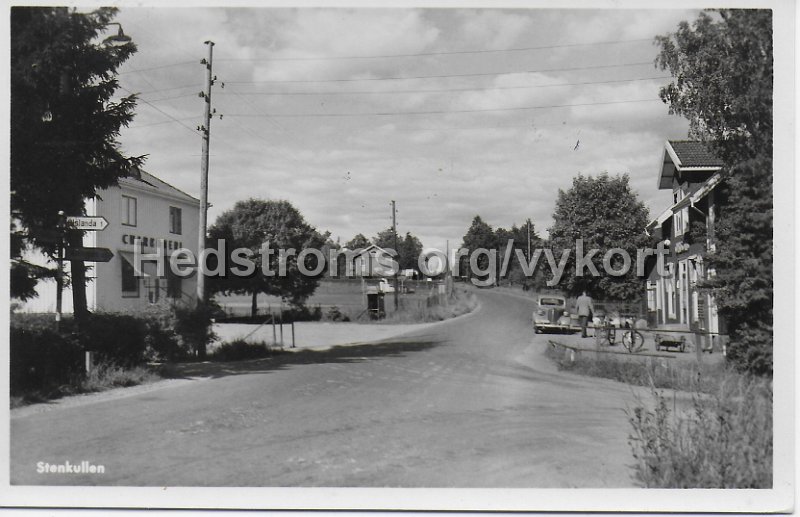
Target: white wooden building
141,211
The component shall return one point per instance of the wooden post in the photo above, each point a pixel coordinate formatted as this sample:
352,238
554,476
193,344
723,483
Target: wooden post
272,319
698,344
293,346
281,326
88,359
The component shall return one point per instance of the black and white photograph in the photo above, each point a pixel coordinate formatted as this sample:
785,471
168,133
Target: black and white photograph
400,256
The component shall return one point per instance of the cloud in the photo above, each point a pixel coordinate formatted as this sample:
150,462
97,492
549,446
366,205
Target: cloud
441,168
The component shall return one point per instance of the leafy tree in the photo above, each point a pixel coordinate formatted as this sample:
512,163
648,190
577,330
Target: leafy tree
723,69
519,234
64,126
408,247
479,235
605,213
357,242
386,239
409,252
250,224
722,64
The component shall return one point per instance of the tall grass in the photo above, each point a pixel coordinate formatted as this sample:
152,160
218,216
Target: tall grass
724,440
460,303
720,438
104,376
240,350
643,370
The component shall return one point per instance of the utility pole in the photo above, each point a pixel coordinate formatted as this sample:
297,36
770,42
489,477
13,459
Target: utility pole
206,130
529,239
60,270
394,231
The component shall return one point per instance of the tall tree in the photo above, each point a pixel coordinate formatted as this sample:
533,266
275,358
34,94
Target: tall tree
520,236
357,242
605,213
386,239
64,125
723,69
250,224
479,235
409,252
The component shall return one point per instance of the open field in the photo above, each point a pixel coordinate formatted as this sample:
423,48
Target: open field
346,294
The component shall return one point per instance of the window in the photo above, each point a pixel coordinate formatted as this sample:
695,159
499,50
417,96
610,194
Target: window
130,283
670,285
128,211
175,220
651,296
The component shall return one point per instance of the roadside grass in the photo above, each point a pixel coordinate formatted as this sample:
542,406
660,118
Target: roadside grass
725,440
108,376
643,371
462,302
240,350
103,376
721,438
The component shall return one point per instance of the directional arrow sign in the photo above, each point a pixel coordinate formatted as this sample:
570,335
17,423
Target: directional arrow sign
89,254
87,223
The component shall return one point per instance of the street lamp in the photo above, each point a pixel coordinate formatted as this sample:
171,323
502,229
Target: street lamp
117,40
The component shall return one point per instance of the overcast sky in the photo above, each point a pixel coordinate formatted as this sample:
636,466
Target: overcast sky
445,148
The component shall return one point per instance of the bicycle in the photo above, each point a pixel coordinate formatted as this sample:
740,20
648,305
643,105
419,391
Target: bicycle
633,341
605,334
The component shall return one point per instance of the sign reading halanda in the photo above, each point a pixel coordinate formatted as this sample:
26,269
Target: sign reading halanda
88,223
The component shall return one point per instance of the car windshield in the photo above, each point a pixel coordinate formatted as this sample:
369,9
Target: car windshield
551,302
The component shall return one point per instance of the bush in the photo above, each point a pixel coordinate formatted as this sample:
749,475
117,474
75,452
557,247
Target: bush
193,327
334,314
724,442
239,350
42,361
116,338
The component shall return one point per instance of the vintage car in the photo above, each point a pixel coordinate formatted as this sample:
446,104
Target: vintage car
551,314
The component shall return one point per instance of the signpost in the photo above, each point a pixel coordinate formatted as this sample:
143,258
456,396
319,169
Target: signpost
74,222
89,254
87,223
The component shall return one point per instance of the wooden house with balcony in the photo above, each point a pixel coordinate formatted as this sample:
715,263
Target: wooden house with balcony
676,298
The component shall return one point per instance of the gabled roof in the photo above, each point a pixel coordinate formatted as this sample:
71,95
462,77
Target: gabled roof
372,248
686,156
691,154
147,181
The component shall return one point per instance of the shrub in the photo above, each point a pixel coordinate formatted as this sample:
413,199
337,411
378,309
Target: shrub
116,338
335,314
193,327
42,361
724,442
240,349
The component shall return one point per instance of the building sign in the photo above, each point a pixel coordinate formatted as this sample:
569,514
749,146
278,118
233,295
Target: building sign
149,242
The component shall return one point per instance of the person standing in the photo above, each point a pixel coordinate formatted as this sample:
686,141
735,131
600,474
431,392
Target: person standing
585,309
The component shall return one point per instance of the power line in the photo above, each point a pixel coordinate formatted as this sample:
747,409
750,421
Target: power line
173,97
443,53
442,112
403,78
138,126
435,90
161,90
160,111
159,67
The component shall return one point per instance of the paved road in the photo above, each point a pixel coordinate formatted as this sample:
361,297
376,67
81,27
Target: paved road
468,403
